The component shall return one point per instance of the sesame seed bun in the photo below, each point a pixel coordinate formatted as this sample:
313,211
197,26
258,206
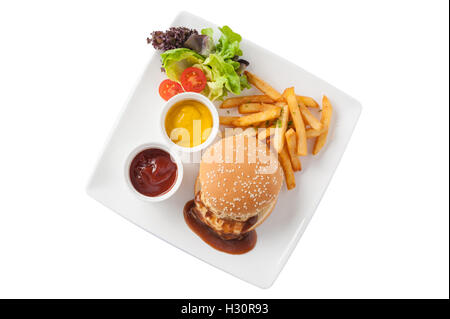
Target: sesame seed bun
239,177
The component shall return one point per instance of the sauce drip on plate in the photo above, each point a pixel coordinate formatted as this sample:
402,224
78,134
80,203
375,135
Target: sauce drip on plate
152,172
231,246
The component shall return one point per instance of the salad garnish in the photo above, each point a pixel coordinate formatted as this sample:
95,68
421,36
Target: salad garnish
220,63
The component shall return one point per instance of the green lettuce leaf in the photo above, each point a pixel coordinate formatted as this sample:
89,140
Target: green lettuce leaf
228,45
229,34
216,89
221,69
235,64
177,60
244,82
208,31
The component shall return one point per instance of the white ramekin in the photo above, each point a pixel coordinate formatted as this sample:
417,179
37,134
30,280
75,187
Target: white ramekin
197,97
175,158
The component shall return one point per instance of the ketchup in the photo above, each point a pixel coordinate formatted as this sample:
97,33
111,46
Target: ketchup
152,172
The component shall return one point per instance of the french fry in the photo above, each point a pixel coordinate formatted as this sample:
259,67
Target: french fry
308,101
285,162
291,143
312,133
280,128
227,120
269,131
255,118
236,101
255,107
280,103
263,86
247,108
327,112
302,147
308,117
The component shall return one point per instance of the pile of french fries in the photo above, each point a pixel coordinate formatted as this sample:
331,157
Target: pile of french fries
286,118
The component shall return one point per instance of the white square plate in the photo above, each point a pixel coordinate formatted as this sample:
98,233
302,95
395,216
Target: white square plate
279,234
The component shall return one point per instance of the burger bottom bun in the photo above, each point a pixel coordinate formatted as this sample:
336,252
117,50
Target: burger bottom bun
262,216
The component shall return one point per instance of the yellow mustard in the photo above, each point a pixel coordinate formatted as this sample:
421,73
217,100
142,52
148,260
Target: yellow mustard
188,123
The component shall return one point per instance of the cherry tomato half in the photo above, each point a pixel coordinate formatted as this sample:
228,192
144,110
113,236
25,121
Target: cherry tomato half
193,80
169,88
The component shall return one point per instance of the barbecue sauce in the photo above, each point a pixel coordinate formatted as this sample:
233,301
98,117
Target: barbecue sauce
236,246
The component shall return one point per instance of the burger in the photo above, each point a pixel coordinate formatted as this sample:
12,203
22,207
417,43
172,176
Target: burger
237,188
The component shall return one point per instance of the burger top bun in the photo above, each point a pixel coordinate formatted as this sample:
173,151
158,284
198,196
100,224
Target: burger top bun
239,177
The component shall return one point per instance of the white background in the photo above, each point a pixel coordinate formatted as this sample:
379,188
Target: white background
67,68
